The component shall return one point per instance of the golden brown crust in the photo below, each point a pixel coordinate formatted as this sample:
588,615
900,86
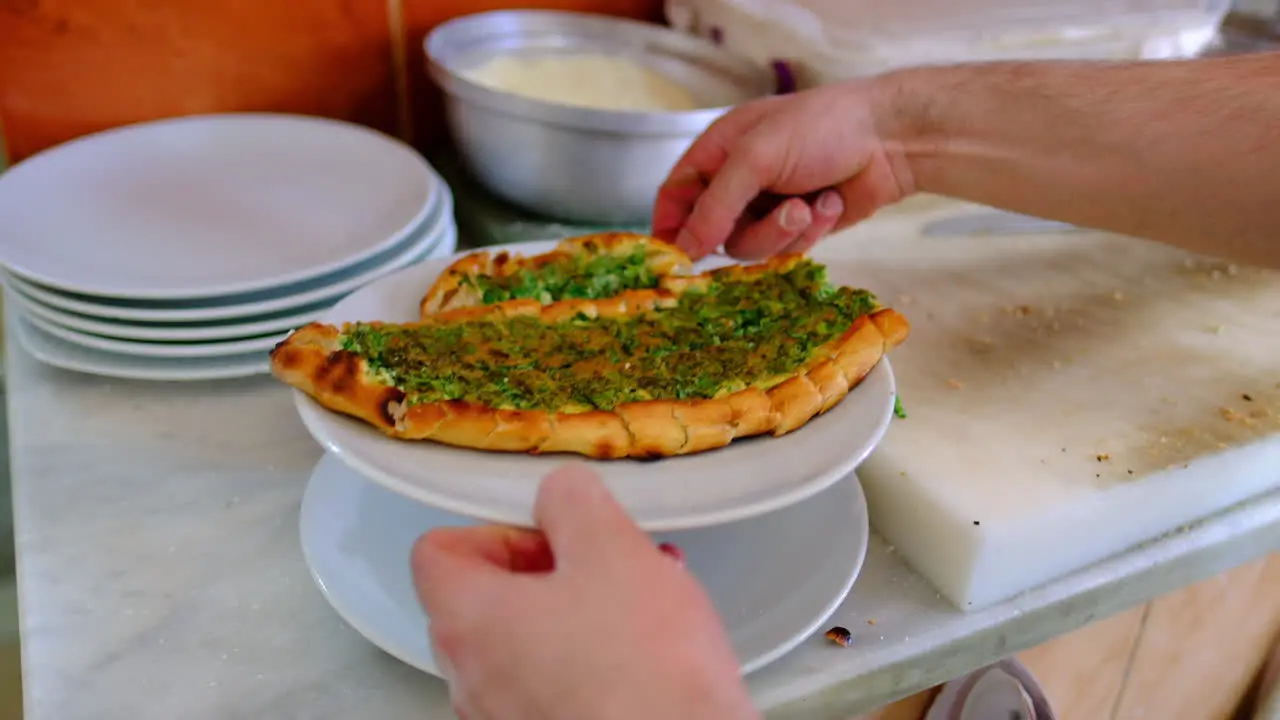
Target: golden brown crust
312,361
451,291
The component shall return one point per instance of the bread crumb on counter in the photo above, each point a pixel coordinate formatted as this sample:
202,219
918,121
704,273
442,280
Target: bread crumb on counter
840,636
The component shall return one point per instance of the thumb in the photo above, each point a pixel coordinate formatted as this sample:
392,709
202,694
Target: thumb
448,582
583,522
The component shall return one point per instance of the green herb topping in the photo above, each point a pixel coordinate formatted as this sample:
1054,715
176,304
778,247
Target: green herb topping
730,335
570,277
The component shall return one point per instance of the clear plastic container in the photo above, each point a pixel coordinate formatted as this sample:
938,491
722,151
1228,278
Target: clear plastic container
828,40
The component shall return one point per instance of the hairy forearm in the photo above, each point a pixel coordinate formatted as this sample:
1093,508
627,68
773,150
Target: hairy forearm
1184,152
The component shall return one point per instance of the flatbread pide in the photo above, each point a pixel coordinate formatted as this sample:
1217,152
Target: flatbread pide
588,267
686,366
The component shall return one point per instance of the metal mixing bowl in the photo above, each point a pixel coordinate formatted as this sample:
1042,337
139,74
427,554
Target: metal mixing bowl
577,163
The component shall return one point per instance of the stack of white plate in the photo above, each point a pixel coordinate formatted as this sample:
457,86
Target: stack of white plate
186,249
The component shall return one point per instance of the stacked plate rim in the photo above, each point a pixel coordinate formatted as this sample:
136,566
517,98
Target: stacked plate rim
185,249
773,587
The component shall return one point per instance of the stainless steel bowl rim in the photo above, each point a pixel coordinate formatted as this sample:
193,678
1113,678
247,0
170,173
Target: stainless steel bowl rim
442,59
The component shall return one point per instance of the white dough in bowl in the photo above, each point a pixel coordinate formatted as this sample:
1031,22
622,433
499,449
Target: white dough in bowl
598,81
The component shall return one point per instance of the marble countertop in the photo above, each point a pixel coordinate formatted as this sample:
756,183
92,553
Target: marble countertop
160,574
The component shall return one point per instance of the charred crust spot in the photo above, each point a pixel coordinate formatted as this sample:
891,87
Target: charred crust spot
604,449
340,370
390,396
284,355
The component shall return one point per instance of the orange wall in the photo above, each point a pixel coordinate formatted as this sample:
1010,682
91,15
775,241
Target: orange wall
70,67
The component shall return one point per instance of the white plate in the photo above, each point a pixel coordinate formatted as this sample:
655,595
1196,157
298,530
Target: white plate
773,580
215,330
442,234
62,354
210,205
145,349
749,477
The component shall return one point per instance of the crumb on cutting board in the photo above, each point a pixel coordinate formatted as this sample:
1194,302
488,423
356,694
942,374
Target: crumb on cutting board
1247,416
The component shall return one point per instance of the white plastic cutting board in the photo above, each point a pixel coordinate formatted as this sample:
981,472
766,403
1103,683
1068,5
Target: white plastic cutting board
1067,396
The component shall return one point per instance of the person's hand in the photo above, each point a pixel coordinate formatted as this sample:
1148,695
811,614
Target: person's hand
776,174
586,619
